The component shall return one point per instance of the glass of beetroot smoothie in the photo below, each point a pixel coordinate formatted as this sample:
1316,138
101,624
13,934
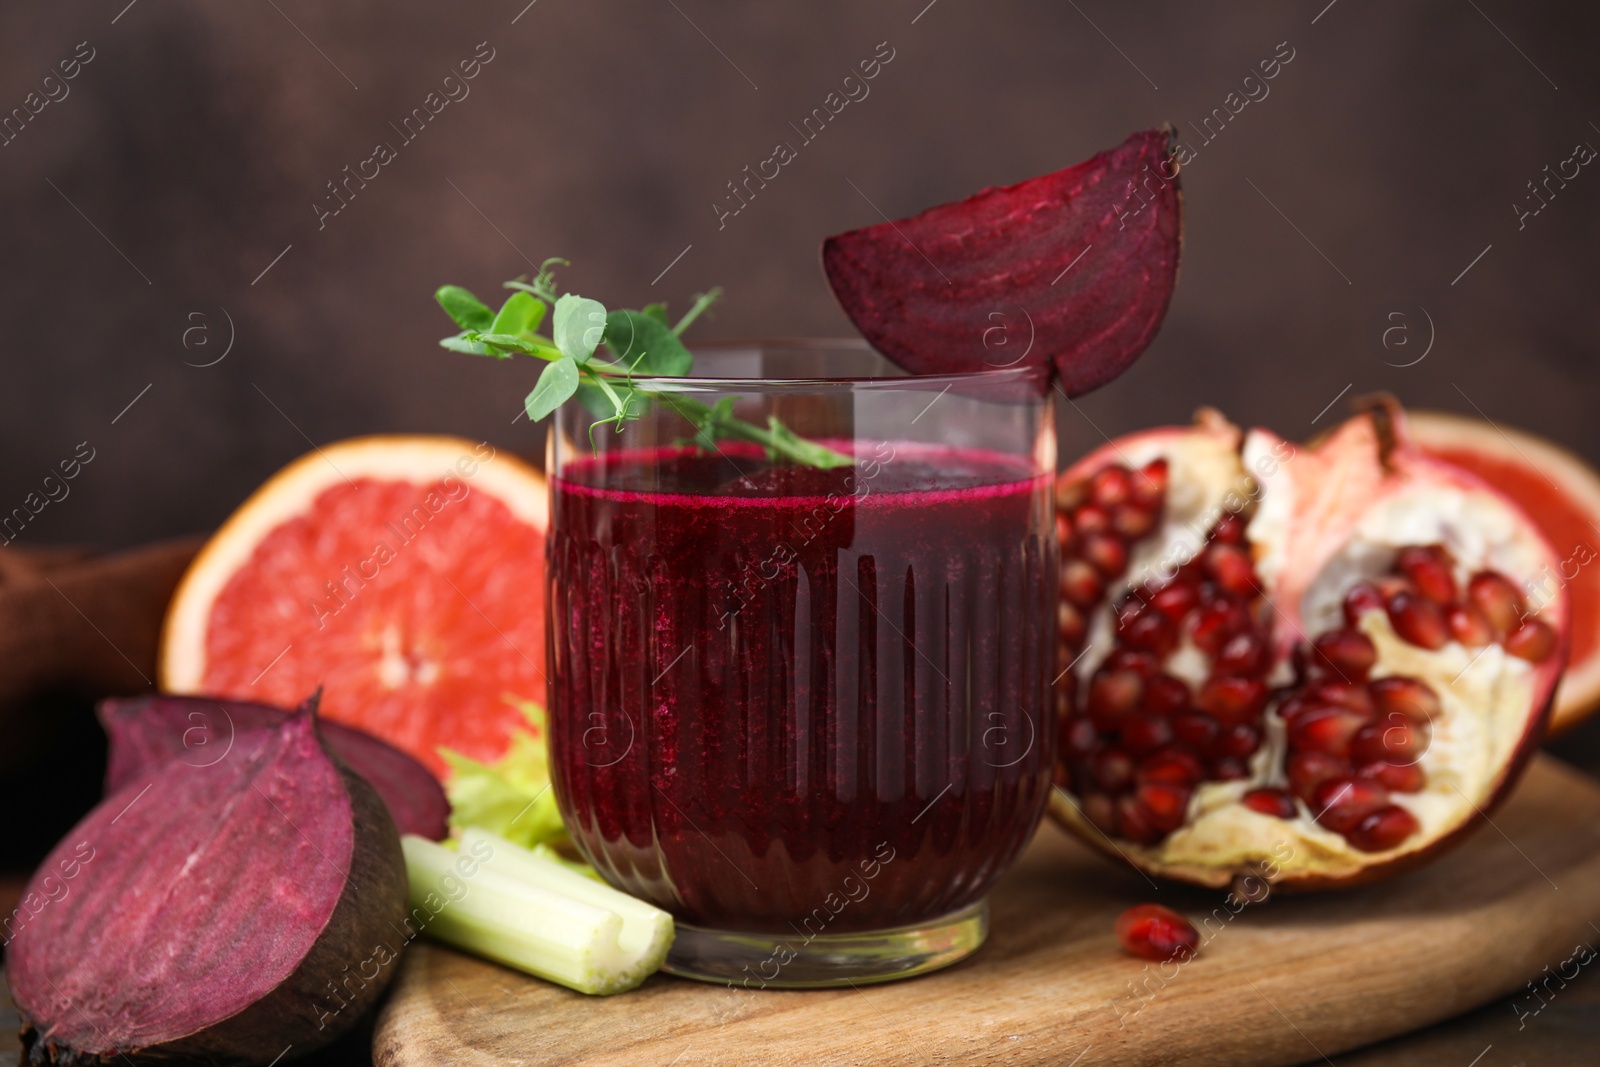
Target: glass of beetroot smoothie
806,709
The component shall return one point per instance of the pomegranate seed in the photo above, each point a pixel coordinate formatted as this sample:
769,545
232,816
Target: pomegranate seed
1070,624
1276,802
1064,531
1418,621
1166,803
1468,625
1399,695
1172,764
1349,654
1240,741
1229,529
1142,733
1149,486
1533,641
1113,694
1500,601
1229,769
1136,660
1341,803
1230,567
1106,554
1133,822
1214,623
1297,705
1197,731
1309,770
1242,653
1100,810
1175,600
1383,829
1396,740
1352,695
1131,521
1232,700
1079,737
1070,496
1362,598
1395,777
1328,729
1112,770
1164,695
1151,630
1430,569
1391,584
1091,520
1081,584
1109,486
1152,932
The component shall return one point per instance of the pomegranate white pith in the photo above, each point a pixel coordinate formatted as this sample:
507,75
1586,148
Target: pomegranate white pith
1344,673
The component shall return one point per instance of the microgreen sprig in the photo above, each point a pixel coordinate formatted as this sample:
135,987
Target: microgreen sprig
638,342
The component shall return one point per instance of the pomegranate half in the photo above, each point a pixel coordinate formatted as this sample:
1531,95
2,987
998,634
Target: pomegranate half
1316,665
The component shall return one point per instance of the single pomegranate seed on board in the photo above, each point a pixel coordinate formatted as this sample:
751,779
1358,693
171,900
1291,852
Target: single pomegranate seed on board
1229,529
1398,739
1341,803
1309,770
1081,584
1230,699
1131,521
1152,932
1399,695
1166,803
1395,777
1533,641
1176,600
1430,568
1148,487
1230,567
1468,625
1090,519
1134,823
1500,601
1165,695
1418,621
1242,653
1327,729
1383,829
1113,694
1113,770
1142,733
1175,765
1362,598
1109,486
1346,654
1196,730
1275,802
1107,555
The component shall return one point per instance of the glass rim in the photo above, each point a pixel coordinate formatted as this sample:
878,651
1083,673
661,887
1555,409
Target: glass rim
905,379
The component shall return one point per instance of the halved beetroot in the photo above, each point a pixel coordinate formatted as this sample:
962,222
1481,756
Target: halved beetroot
1317,665
146,731
1088,255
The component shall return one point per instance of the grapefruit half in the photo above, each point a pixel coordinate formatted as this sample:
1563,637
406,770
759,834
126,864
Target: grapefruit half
1562,494
402,574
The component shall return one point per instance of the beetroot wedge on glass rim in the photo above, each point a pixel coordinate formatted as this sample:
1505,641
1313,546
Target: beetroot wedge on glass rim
1318,665
1075,268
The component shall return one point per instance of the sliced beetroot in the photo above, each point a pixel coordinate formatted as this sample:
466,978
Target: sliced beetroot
221,914
1075,267
146,731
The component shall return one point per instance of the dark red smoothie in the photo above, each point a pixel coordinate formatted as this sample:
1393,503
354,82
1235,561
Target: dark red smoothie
786,698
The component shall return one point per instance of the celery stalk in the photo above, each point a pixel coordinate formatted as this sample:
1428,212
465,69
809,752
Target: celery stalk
500,901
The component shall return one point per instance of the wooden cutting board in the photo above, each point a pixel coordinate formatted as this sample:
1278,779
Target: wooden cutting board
1287,981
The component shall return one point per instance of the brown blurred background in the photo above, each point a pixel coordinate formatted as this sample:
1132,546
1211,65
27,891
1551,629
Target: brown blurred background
1359,211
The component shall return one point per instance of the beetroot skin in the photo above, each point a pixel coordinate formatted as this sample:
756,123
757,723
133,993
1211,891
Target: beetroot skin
1075,268
146,731
222,914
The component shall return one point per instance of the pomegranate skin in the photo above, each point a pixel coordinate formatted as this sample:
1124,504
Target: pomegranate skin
289,930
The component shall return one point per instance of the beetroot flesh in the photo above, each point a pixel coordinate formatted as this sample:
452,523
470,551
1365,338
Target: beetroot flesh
146,731
929,291
220,914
